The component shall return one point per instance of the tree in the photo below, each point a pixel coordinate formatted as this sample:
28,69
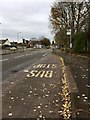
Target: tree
60,38
45,41
80,44
88,27
69,15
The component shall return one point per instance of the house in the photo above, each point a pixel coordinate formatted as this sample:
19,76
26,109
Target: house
14,44
4,43
32,43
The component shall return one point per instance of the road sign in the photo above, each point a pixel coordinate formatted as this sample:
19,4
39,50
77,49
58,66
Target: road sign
69,32
70,45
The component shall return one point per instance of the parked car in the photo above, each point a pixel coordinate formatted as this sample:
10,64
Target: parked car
13,48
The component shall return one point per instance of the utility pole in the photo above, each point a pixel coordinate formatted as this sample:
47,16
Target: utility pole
18,36
1,30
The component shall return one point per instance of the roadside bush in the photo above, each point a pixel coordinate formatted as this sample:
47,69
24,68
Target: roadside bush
80,42
88,47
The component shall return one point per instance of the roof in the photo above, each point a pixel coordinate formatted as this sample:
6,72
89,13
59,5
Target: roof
13,43
3,41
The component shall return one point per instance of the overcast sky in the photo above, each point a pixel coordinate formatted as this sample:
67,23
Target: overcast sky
30,17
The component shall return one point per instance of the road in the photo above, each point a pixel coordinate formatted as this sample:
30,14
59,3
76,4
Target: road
35,91
15,62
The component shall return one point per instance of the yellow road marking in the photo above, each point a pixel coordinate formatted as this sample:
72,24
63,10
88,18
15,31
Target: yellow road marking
54,66
45,66
66,106
32,73
41,74
39,66
48,74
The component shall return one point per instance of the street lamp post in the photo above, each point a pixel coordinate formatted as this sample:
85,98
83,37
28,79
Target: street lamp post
69,33
70,43
18,36
1,30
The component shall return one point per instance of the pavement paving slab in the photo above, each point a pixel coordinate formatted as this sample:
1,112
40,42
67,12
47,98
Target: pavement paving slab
37,91
79,85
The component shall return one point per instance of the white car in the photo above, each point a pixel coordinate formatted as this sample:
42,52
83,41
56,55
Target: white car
13,48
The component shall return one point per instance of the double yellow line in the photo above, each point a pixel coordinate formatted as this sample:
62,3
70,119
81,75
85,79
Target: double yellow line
66,100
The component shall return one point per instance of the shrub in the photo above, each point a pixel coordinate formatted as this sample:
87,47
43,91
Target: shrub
80,42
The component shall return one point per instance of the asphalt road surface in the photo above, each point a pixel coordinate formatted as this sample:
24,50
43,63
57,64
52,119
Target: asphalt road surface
35,92
13,63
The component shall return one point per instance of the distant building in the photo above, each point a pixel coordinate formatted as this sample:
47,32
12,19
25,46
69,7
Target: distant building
32,43
4,43
13,44
39,46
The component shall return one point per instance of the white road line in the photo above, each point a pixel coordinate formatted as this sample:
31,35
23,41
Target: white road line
19,56
3,60
23,55
44,54
41,59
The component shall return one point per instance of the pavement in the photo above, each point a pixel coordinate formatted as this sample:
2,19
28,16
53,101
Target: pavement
78,71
